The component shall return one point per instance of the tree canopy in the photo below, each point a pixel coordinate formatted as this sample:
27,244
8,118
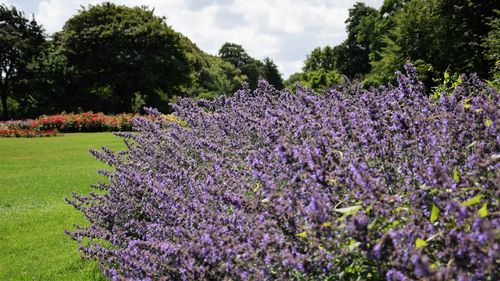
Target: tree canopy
21,40
436,35
251,68
113,58
121,55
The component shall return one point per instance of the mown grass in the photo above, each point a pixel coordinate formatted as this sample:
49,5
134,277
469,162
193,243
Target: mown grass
35,176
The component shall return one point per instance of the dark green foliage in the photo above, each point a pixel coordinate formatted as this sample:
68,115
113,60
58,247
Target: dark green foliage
355,59
323,66
319,71
52,85
491,43
251,68
119,53
271,74
317,80
436,35
21,40
253,72
464,24
114,58
212,75
234,54
321,58
239,58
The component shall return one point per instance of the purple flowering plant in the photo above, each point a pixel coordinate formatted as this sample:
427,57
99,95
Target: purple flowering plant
386,184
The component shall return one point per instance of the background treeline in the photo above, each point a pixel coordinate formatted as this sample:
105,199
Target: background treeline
437,36
115,59
111,58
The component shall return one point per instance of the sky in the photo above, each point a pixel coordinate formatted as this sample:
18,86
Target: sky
284,30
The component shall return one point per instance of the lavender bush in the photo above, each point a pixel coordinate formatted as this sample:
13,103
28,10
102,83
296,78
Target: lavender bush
342,185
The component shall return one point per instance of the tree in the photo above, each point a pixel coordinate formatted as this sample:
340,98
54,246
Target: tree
234,54
52,86
321,58
122,55
21,40
320,69
491,43
271,74
462,25
352,56
437,35
237,56
217,77
318,80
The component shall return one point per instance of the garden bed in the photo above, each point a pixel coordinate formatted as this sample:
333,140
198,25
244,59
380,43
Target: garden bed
53,125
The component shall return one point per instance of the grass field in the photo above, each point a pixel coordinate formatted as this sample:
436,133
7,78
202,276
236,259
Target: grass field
35,176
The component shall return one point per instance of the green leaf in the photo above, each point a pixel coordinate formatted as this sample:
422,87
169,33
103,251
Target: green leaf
326,224
446,77
483,212
353,244
471,144
373,224
302,234
466,103
349,210
456,175
434,213
473,201
419,243
488,122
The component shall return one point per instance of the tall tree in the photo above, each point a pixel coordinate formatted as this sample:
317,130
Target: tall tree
234,54
237,56
21,40
272,74
437,35
463,24
52,85
122,54
320,69
320,58
352,56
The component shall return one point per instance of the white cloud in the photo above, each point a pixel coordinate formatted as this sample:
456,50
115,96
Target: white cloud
284,30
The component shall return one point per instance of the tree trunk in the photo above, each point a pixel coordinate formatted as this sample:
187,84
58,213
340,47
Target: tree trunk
5,115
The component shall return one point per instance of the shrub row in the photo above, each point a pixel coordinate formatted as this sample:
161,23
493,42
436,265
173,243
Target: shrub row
341,185
67,123
86,122
26,133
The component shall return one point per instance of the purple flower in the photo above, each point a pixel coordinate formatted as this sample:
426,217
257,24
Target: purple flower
270,185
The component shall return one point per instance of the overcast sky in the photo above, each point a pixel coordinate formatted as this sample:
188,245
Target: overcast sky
284,30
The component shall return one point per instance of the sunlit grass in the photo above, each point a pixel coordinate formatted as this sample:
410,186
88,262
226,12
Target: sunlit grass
35,176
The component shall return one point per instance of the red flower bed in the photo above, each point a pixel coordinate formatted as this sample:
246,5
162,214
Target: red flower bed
66,123
86,122
27,133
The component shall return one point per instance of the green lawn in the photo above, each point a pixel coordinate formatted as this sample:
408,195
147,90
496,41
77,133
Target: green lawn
36,174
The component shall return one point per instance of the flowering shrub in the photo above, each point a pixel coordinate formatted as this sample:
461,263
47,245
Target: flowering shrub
86,122
343,185
67,123
26,133
24,128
